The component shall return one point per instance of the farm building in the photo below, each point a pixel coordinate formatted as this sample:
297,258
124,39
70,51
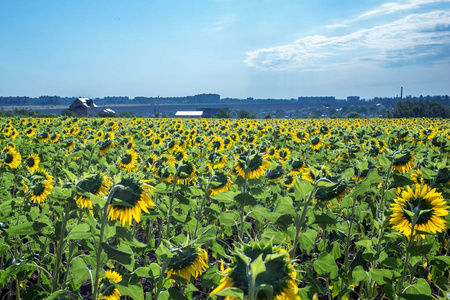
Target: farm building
189,114
84,106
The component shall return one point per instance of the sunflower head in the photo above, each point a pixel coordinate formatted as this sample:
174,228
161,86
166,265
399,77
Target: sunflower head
403,162
106,145
128,199
12,158
186,172
129,161
219,183
276,173
97,184
254,164
421,206
278,272
107,288
32,162
187,262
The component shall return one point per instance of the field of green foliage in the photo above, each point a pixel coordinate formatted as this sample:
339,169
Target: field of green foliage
238,209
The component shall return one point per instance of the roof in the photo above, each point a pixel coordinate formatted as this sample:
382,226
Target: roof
189,113
108,110
84,101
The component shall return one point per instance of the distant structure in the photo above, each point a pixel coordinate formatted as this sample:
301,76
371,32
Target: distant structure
209,112
401,93
320,99
189,114
353,98
84,107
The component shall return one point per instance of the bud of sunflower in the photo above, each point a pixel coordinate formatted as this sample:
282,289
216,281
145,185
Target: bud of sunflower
275,271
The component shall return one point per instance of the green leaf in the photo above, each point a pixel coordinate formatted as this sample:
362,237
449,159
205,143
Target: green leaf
324,220
58,294
373,176
257,267
127,237
80,232
176,294
419,290
161,188
131,286
211,277
71,176
401,180
427,173
79,270
360,190
359,274
225,197
362,165
231,292
145,272
326,266
245,199
207,234
302,188
381,276
307,240
117,255
26,228
420,250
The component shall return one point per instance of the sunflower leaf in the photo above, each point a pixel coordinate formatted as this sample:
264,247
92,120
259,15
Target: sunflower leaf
231,292
245,199
419,250
117,255
302,188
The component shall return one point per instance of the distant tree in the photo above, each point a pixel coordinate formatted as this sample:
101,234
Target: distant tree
268,116
223,113
245,114
105,114
413,109
354,115
126,114
68,112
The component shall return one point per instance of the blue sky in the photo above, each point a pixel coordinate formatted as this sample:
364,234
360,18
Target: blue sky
251,48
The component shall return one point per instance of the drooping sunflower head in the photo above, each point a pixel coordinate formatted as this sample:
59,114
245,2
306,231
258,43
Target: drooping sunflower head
38,186
217,144
337,190
279,273
289,180
254,164
128,199
97,184
403,162
106,145
107,288
186,173
424,205
188,262
217,160
219,183
276,173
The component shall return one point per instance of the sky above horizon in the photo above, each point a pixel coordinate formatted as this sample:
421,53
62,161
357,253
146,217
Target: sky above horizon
238,49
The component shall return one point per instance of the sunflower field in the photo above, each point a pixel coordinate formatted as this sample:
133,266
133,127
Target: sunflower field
224,209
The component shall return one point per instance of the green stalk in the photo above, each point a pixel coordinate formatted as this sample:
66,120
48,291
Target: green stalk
169,214
200,212
242,214
349,239
408,255
99,249
60,247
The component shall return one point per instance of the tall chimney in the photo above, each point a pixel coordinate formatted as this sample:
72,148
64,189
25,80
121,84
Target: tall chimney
401,93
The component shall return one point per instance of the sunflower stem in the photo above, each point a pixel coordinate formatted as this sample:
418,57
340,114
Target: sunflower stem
99,249
349,239
172,196
408,254
242,215
200,212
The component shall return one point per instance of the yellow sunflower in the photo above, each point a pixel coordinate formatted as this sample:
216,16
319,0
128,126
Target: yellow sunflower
279,273
38,187
32,162
300,136
129,161
217,160
130,197
106,145
107,290
254,164
188,261
316,143
219,183
423,203
97,184
404,162
12,158
283,154
186,173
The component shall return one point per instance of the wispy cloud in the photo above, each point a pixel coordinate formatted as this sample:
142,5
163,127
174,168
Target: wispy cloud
223,23
393,7
335,26
407,39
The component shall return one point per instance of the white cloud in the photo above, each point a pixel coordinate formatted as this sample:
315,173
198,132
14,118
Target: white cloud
335,26
392,7
412,37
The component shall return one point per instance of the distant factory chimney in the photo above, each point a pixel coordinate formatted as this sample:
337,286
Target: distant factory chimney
401,93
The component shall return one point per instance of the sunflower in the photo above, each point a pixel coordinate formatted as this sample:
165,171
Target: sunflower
289,180
217,144
307,174
54,138
129,161
186,173
106,145
283,154
188,261
275,174
69,145
219,183
129,198
39,186
316,143
97,184
300,136
30,132
271,152
403,162
32,162
423,203
216,160
254,164
12,158
279,273
108,290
